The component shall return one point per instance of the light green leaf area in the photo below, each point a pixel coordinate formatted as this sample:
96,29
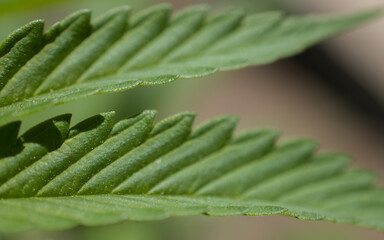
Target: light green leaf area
79,57
56,177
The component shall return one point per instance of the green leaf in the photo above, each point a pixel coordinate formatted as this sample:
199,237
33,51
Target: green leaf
99,173
32,145
78,57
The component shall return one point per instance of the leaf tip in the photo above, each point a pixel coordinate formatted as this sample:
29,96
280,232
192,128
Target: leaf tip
124,9
108,115
38,23
186,117
150,112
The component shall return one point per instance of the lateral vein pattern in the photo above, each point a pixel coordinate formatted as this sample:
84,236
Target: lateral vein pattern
98,172
79,57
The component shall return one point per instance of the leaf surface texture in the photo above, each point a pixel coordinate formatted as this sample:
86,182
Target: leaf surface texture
100,172
79,57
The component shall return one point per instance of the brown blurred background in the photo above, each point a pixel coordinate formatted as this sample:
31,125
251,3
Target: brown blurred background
333,92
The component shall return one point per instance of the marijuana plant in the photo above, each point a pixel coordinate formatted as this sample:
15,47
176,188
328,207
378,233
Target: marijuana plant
55,176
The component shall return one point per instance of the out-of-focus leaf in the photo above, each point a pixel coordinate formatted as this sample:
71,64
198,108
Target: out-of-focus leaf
78,57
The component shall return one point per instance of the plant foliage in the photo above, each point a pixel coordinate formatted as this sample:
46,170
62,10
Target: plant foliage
96,172
55,176
78,57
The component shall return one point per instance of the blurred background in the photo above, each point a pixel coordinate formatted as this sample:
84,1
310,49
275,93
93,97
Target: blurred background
333,92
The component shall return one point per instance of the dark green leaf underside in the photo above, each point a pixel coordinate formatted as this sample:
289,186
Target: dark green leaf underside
78,57
99,173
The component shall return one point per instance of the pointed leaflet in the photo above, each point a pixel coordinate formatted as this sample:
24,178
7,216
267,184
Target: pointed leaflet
99,173
78,58
30,180
34,144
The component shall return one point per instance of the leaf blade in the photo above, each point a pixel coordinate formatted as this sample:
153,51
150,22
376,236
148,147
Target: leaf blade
76,54
123,174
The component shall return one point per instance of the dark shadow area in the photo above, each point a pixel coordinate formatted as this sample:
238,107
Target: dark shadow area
50,133
86,125
8,138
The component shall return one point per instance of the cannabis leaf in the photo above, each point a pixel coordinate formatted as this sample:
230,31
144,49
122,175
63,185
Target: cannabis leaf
76,58
56,177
